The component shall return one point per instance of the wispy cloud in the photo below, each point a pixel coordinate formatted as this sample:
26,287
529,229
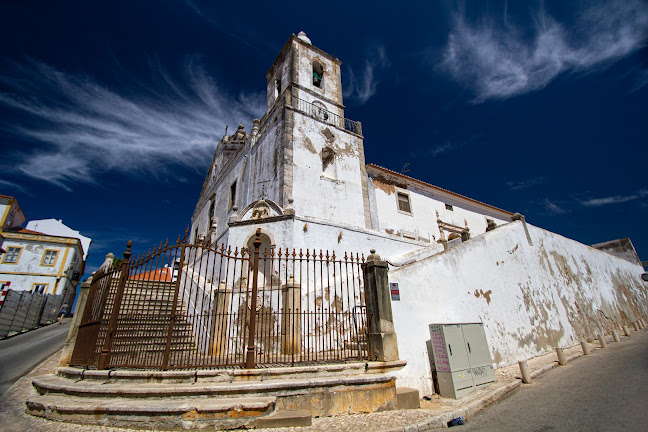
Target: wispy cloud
364,86
11,185
554,208
444,148
616,199
499,60
523,184
85,128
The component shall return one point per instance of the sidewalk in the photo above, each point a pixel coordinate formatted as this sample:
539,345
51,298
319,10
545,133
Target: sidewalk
433,414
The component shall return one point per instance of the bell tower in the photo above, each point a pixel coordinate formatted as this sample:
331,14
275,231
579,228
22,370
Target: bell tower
308,73
322,153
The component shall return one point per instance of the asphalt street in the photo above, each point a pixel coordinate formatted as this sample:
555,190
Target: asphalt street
605,391
23,352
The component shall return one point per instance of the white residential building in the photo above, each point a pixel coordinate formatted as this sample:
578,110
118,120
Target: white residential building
48,261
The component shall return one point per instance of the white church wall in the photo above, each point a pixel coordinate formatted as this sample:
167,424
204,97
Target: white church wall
335,196
256,172
530,298
423,219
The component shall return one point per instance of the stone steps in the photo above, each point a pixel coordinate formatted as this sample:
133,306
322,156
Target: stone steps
232,375
215,398
93,389
158,414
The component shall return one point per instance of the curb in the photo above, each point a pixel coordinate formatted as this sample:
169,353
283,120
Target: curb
440,421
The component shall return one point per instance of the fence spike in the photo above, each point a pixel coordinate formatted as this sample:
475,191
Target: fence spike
333,256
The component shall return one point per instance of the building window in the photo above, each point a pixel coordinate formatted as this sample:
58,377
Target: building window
320,111
49,258
277,87
12,255
318,74
39,288
232,197
328,163
404,204
212,208
449,207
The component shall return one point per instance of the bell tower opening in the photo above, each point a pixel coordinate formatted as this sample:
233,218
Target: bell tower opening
318,74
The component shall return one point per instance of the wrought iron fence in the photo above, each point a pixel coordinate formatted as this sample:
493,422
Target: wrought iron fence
318,110
198,306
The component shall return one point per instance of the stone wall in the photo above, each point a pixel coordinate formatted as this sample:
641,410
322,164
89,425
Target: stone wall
530,298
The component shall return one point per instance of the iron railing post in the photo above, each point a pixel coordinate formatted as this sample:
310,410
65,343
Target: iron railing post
249,358
167,348
104,357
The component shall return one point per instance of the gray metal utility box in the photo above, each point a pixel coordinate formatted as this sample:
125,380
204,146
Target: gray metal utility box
461,358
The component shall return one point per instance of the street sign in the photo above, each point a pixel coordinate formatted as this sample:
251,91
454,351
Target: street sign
395,293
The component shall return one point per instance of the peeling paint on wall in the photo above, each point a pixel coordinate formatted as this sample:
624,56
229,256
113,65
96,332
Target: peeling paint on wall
555,293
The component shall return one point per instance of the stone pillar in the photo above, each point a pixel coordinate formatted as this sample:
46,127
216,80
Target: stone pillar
222,298
382,337
68,348
291,332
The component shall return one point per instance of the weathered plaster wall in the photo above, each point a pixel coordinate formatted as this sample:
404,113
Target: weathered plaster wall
530,298
622,248
337,196
256,172
28,270
424,207
331,85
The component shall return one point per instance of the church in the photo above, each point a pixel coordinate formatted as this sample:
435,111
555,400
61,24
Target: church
300,177
300,174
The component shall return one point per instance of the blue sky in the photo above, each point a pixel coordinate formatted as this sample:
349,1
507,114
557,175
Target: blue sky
110,111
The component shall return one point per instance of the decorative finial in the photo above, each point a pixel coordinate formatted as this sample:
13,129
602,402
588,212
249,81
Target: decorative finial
301,35
373,256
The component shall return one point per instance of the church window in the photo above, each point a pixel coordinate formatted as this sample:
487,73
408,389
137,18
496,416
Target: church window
328,163
318,74
449,207
320,111
404,204
232,197
277,87
212,207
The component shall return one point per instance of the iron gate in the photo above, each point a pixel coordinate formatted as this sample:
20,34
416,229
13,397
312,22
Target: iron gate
199,306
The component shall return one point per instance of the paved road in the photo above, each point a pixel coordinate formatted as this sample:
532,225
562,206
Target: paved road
23,352
606,391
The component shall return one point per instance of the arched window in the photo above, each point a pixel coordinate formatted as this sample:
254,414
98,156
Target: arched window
320,111
277,87
328,163
318,74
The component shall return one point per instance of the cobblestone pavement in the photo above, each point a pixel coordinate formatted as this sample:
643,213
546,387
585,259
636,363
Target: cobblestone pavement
13,417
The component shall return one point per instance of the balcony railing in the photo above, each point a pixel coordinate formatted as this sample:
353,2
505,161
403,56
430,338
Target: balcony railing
318,110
